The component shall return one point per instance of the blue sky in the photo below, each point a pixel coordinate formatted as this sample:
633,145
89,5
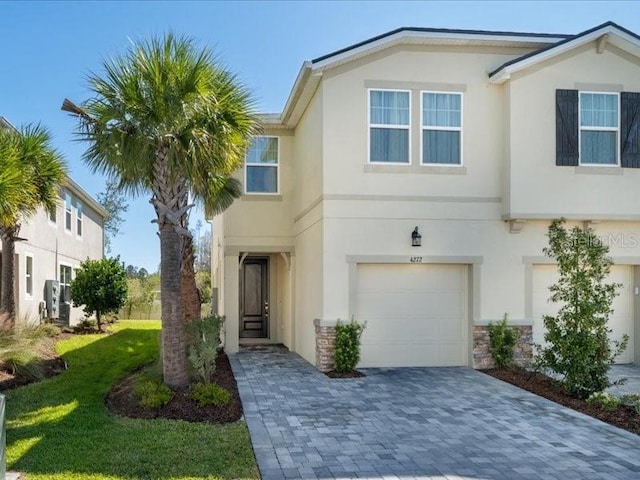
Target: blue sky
49,47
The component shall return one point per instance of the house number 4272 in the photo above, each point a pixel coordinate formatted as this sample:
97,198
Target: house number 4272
415,259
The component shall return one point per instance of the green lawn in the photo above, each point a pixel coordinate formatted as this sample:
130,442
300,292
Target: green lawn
60,429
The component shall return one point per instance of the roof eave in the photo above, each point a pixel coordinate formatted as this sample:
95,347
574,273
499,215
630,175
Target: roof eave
85,197
505,72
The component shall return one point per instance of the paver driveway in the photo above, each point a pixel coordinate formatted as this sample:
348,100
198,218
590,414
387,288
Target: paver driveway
417,422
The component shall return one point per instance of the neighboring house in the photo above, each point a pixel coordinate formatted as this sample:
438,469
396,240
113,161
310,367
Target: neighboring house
477,138
53,247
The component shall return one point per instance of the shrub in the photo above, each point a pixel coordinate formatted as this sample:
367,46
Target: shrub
347,346
152,394
502,341
578,346
204,343
605,400
631,400
210,394
48,329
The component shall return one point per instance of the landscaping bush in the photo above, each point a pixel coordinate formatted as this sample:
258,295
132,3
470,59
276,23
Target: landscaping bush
152,394
204,344
347,346
502,341
631,400
605,400
578,346
48,330
210,394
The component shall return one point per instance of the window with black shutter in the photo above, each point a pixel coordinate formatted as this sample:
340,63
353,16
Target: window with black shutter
597,128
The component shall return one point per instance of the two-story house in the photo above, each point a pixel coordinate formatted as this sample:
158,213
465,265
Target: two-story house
53,247
479,139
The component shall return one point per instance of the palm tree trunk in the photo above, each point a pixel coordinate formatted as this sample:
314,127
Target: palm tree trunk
7,277
190,294
166,199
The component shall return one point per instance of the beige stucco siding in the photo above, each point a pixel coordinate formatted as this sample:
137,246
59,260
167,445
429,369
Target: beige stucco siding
541,189
345,93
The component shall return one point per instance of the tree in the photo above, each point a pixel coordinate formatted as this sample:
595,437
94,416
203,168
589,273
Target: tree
114,201
578,346
37,170
101,286
167,119
139,295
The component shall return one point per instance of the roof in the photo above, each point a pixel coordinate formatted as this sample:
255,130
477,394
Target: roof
544,46
79,192
606,31
444,32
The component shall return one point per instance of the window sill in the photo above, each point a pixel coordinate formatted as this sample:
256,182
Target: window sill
266,197
416,169
597,170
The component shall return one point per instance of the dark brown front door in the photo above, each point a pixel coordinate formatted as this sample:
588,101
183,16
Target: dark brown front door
254,298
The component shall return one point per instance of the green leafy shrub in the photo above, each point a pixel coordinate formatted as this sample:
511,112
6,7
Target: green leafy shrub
347,346
502,341
152,394
631,400
210,394
605,400
204,344
578,346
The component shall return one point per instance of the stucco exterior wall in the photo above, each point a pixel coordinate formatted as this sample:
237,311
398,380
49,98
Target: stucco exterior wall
539,188
51,245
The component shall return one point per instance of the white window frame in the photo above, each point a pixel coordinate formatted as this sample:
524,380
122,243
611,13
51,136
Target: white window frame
64,264
384,125
79,219
68,212
28,276
598,129
460,129
267,165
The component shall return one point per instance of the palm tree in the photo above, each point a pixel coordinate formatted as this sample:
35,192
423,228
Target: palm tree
167,120
28,159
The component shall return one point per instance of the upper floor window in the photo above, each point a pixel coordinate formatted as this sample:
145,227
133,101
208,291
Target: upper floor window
599,128
389,126
441,128
28,274
79,219
261,166
67,211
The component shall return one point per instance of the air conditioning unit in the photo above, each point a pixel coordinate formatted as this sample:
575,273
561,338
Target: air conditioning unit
52,298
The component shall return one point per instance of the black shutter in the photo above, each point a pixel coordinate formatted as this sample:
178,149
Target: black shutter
567,127
630,129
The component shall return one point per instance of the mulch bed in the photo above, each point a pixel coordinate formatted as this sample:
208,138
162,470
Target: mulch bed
623,417
352,374
51,364
122,401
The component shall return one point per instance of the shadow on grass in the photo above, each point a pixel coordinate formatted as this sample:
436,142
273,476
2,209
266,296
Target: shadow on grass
60,428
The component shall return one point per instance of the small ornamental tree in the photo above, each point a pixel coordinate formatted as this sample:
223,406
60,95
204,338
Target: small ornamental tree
101,286
578,345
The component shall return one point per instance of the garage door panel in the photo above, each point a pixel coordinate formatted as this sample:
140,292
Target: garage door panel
428,305
415,314
620,322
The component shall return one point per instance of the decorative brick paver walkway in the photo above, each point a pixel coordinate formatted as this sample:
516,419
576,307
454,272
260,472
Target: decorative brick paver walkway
439,423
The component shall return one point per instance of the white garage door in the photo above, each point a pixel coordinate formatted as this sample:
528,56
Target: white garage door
620,322
416,315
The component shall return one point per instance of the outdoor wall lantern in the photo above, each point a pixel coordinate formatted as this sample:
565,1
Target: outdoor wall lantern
416,238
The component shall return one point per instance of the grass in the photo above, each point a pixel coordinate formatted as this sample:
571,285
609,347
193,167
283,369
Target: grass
60,429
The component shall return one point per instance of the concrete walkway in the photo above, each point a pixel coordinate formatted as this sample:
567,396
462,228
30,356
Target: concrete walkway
438,423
